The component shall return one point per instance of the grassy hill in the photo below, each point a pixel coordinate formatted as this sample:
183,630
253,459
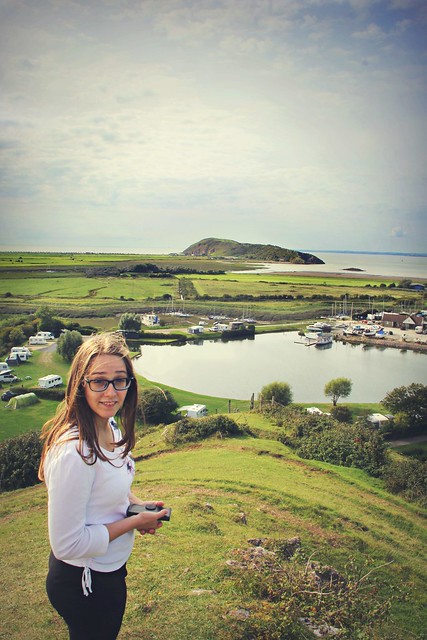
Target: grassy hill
215,247
180,586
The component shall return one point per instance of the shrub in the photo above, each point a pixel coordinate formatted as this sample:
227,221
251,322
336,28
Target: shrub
341,413
408,477
350,445
192,429
19,461
291,598
156,406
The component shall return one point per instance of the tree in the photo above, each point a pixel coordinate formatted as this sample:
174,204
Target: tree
17,336
276,392
130,322
411,401
338,388
68,344
155,406
47,321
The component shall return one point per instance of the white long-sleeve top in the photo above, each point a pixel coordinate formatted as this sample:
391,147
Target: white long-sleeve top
82,499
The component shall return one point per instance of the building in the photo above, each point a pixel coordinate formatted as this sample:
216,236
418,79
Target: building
403,321
150,319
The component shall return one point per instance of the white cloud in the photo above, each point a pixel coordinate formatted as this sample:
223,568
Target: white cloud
188,112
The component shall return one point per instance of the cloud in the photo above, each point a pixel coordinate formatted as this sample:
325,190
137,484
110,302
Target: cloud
259,118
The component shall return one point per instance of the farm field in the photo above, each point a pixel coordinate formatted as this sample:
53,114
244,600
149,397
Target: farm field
61,281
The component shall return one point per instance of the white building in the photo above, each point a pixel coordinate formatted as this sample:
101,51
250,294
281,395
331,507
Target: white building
150,319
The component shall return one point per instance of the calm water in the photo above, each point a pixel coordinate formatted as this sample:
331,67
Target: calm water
237,369
398,266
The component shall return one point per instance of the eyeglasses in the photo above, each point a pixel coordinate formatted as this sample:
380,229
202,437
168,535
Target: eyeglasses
100,384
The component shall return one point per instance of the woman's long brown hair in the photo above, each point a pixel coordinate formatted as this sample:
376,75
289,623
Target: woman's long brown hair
74,411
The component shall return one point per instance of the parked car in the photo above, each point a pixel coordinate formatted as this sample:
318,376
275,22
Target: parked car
7,395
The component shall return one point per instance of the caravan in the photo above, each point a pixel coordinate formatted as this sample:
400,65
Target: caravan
50,381
46,335
37,340
7,376
22,352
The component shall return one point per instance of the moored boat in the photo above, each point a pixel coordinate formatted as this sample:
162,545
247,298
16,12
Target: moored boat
324,340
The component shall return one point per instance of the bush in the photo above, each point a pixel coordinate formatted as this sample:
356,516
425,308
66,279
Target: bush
19,461
408,477
349,445
156,406
192,429
297,597
341,413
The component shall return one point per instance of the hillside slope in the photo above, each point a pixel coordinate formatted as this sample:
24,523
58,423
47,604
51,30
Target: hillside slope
222,493
214,247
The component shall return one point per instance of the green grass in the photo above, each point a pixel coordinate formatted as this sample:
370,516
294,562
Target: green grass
59,280
338,513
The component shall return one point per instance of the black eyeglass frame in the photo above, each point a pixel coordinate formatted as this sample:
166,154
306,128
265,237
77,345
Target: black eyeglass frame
108,382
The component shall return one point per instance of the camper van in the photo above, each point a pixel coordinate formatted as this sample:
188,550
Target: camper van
50,381
47,335
37,340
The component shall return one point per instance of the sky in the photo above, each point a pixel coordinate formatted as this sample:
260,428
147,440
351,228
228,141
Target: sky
147,125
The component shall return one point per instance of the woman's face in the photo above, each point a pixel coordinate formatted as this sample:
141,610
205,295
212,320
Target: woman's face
105,404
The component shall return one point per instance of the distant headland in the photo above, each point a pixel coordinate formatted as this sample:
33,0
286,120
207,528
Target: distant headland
217,248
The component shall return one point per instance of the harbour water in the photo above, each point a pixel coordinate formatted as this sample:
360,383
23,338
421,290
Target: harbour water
236,369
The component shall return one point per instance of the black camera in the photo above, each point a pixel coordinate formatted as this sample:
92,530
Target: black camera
134,509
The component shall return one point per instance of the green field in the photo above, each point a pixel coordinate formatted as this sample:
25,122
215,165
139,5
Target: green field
61,281
339,513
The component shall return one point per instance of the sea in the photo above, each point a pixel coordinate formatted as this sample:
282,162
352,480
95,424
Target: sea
394,265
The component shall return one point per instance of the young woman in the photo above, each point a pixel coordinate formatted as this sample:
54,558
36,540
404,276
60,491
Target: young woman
88,471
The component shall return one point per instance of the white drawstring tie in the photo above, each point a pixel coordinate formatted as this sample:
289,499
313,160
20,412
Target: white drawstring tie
86,581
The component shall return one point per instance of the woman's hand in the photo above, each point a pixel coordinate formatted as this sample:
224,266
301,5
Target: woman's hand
152,522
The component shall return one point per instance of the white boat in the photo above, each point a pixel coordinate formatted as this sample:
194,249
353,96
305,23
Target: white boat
324,340
319,327
369,333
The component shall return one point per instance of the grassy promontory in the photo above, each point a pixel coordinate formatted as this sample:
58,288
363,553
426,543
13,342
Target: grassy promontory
180,585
